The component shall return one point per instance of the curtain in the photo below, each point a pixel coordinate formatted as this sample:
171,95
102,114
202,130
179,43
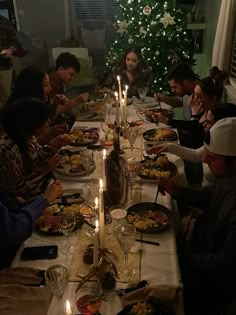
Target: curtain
224,35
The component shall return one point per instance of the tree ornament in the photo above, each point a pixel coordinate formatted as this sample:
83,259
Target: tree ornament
130,40
167,20
122,27
147,10
142,31
157,53
153,22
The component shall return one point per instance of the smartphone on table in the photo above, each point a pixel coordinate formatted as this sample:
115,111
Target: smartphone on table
39,252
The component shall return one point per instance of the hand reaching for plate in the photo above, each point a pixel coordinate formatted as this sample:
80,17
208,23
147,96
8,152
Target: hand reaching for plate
158,149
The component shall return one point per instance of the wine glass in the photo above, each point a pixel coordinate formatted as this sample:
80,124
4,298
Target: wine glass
108,101
86,157
67,225
142,91
132,170
106,127
131,134
125,235
57,278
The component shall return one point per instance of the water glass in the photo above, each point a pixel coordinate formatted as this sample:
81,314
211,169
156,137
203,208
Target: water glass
67,225
57,278
142,91
125,235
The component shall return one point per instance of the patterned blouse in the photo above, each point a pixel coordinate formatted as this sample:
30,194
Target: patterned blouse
14,181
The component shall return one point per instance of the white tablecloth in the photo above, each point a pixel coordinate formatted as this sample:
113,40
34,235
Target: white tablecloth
159,264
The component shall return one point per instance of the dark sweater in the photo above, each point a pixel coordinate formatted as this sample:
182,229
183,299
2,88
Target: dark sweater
17,226
209,272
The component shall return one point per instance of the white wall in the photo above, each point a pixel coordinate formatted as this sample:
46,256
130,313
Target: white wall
42,18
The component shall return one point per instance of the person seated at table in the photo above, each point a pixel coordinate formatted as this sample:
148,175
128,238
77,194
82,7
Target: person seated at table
191,132
133,71
33,82
182,81
26,166
67,65
17,225
217,112
208,262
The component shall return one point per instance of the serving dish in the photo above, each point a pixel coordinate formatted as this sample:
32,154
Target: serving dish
160,135
158,167
148,217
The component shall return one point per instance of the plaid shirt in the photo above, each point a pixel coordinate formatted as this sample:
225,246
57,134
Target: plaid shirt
7,40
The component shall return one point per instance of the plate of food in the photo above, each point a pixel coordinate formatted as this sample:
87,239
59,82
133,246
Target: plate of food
160,134
160,166
71,164
148,217
146,307
48,222
83,136
147,103
152,114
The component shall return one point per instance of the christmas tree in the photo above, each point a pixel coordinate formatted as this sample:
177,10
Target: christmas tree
159,28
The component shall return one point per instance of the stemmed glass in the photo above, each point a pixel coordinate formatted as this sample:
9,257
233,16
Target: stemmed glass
57,278
142,91
125,235
108,104
132,170
131,134
67,225
86,157
106,127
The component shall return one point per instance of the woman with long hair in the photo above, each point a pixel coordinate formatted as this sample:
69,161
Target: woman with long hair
26,166
133,71
33,82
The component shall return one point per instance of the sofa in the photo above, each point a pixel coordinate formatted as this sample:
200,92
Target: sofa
34,52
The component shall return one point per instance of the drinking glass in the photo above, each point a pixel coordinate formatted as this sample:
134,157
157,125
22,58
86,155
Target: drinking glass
118,214
67,225
142,91
131,134
132,170
88,301
106,127
108,101
57,278
125,235
87,159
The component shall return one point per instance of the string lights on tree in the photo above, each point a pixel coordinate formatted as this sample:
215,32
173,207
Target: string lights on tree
159,29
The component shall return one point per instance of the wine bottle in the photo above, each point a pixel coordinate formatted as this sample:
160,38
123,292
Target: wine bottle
116,138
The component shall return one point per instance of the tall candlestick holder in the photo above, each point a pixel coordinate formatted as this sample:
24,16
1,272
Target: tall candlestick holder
97,272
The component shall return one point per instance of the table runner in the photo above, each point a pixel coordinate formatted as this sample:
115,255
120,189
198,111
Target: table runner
78,267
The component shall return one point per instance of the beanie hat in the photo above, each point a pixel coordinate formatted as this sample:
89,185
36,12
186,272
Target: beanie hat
223,137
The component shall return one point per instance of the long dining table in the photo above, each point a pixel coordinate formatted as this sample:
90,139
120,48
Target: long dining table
158,264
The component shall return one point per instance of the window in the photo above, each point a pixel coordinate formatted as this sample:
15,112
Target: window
95,9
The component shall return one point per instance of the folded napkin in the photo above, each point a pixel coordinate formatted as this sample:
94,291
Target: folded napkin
21,300
22,275
162,294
